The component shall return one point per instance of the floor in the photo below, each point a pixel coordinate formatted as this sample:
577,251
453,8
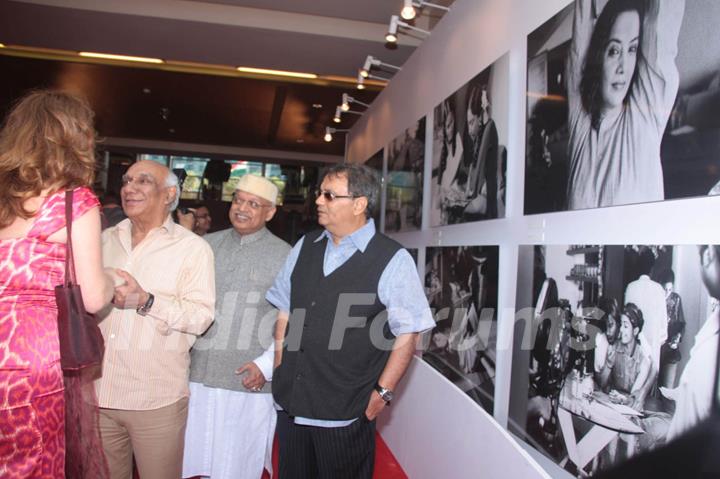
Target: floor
386,466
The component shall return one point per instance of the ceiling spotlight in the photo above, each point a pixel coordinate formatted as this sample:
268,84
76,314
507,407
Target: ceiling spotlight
395,22
365,70
408,10
391,35
370,62
360,81
330,131
347,99
338,114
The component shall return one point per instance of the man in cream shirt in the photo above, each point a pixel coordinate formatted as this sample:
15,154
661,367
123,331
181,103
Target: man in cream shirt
164,298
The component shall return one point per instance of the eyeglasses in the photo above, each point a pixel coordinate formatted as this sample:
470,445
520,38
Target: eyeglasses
140,180
707,255
330,196
254,205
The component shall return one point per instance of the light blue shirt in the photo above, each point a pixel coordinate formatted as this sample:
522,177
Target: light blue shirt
399,289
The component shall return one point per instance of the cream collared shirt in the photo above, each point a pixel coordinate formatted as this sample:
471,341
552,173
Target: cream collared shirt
147,358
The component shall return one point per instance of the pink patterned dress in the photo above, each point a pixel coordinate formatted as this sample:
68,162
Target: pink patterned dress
32,414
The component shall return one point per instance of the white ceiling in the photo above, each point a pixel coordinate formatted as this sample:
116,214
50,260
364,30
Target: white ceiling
327,37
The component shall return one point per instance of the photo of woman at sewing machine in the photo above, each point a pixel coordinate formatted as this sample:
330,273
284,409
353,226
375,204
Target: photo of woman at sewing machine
461,286
469,156
593,333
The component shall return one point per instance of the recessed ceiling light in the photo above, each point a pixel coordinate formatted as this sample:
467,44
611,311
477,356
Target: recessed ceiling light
300,140
127,58
265,71
171,130
317,105
146,91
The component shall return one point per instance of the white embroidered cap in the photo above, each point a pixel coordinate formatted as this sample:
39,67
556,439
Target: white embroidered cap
258,186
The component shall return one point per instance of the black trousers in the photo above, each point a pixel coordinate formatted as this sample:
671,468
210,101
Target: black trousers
310,452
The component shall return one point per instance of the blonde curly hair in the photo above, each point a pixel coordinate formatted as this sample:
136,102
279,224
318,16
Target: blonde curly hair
46,143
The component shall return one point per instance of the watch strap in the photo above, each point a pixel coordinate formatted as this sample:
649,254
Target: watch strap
145,308
385,393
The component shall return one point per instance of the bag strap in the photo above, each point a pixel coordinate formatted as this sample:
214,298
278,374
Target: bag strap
69,257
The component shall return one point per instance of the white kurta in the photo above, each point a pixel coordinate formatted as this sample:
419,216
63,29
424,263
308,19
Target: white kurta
229,434
697,383
649,296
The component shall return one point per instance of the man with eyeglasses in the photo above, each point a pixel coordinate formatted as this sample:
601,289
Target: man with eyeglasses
696,392
203,220
231,423
164,298
351,306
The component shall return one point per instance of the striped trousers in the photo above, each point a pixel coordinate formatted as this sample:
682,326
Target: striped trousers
310,452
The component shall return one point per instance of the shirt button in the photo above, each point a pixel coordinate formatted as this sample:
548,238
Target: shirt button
312,304
299,376
112,336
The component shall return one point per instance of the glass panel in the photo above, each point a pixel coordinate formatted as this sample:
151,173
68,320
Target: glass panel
162,159
194,167
238,169
275,174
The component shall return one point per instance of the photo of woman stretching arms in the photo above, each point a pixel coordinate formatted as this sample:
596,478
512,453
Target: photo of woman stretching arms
622,84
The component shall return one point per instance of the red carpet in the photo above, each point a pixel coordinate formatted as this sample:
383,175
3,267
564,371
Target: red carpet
386,467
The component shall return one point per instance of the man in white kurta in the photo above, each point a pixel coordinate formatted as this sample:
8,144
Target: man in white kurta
649,296
695,393
231,418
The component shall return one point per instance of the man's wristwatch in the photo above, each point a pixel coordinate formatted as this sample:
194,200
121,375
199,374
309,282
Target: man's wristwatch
145,308
385,393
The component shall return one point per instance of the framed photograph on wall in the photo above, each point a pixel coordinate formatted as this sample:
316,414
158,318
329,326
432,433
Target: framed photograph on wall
376,163
615,349
469,153
403,185
622,104
461,283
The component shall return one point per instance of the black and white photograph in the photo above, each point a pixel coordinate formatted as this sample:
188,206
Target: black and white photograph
622,101
376,163
461,283
403,185
615,349
469,160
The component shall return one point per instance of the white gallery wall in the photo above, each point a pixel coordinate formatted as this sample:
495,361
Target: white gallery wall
434,429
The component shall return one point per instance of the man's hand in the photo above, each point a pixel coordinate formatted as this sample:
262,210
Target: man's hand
188,220
254,379
375,405
128,295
